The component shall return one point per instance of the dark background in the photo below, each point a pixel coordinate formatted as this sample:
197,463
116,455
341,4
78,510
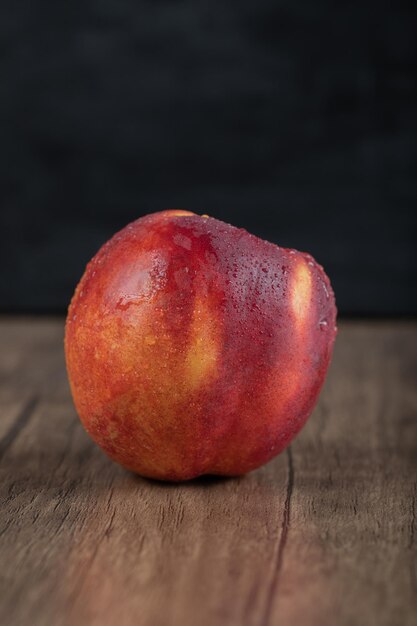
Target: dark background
294,119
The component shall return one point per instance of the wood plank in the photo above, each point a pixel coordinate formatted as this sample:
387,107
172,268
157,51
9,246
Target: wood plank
323,535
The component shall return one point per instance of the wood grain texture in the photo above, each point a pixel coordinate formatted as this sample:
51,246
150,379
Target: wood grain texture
325,534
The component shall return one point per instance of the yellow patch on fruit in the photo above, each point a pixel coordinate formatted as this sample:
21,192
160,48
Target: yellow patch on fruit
178,213
204,347
301,293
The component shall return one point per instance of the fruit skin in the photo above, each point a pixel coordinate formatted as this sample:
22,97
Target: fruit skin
194,347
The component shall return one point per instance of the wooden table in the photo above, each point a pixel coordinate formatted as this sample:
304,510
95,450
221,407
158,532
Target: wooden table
323,535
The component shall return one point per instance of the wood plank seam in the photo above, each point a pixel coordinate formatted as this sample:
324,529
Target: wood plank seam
19,424
286,519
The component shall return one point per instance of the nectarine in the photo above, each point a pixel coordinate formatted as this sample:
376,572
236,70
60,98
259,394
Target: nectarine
194,347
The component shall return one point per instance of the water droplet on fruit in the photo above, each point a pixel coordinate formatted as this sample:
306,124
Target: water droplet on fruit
323,324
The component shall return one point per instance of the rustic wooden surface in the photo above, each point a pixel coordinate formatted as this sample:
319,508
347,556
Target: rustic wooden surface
323,535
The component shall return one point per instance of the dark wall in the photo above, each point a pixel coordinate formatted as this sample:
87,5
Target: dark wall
295,119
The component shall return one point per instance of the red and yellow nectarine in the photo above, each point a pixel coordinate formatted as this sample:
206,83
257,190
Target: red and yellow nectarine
194,347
